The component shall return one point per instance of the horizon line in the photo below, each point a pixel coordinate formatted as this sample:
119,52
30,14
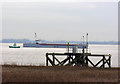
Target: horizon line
57,40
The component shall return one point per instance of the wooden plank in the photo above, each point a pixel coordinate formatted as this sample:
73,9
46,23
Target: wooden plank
78,54
46,59
53,59
86,60
69,53
103,61
101,66
72,62
91,62
50,61
57,60
86,54
106,61
64,61
56,53
99,62
69,58
98,55
110,62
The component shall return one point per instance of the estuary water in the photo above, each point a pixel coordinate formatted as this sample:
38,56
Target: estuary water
37,56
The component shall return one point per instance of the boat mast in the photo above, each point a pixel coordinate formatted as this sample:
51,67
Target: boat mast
35,37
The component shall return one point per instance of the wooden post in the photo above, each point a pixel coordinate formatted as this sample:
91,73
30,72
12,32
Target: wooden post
68,52
103,61
46,59
53,59
86,60
91,63
83,57
87,43
69,58
99,62
68,47
109,61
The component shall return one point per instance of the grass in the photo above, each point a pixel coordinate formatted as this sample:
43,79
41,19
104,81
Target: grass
13,73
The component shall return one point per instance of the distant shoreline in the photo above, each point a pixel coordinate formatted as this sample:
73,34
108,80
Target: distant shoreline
59,41
89,44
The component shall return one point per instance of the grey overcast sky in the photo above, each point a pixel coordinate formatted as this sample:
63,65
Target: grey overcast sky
60,21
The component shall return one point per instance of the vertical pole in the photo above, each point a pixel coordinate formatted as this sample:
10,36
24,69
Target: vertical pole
83,57
46,59
103,61
109,60
87,43
53,59
86,60
83,40
69,58
68,52
83,51
68,47
83,45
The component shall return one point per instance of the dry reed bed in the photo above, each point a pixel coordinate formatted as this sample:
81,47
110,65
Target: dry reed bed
57,74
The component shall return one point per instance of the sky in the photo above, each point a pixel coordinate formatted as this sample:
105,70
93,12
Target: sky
60,20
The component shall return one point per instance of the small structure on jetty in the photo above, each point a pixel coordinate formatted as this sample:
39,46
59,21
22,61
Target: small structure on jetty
78,59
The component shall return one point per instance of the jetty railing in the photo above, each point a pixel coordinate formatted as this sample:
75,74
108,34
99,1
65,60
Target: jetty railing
77,59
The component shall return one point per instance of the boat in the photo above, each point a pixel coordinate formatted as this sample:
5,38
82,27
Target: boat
14,46
51,45
38,44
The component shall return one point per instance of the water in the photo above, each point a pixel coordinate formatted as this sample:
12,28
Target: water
36,56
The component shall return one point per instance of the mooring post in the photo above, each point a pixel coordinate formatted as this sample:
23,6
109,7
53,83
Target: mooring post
46,59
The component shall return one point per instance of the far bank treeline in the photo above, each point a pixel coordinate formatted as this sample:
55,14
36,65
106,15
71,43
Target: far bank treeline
60,41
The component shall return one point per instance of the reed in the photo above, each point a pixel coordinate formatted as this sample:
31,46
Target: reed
14,73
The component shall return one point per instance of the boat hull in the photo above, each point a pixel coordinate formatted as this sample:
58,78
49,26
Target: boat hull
51,45
14,47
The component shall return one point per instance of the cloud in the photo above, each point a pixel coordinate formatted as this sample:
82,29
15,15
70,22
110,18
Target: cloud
57,18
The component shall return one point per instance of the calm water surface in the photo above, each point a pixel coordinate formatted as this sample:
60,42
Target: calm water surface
36,56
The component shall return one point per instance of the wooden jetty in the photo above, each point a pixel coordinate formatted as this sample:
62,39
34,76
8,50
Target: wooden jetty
78,59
